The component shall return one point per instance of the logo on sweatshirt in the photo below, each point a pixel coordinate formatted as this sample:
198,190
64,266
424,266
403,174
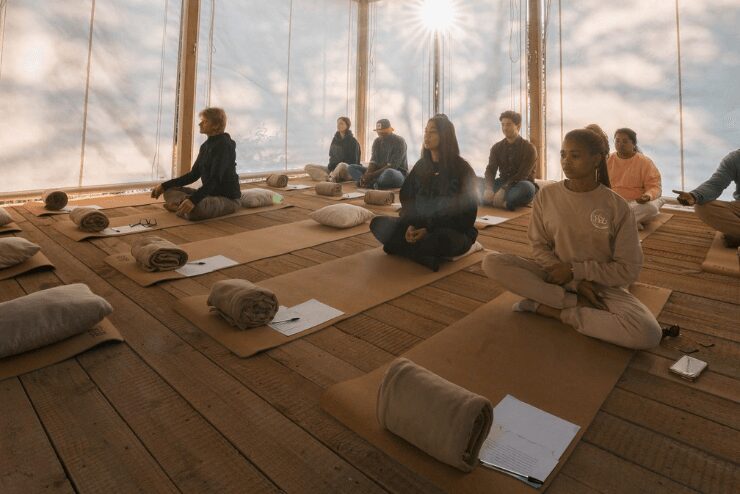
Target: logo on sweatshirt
599,219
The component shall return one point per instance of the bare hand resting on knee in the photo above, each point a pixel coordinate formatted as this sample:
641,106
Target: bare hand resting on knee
643,199
559,274
587,291
414,234
185,207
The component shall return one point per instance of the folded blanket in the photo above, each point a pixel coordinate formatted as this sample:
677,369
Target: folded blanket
379,197
243,304
49,316
278,181
54,200
15,250
158,254
329,189
5,217
442,419
89,219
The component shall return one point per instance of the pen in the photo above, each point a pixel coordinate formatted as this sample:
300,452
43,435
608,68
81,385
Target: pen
197,262
506,470
286,320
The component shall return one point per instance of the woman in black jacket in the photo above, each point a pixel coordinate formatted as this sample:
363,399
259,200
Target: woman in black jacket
439,203
344,148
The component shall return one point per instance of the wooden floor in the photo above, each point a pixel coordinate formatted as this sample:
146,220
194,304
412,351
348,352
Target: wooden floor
172,410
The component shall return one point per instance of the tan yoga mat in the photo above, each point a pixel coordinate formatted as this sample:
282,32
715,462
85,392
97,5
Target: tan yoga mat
242,247
500,213
57,352
11,227
721,259
36,262
291,182
105,202
164,219
653,225
351,284
494,351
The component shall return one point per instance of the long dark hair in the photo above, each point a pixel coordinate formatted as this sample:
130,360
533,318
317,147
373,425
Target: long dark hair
629,133
449,150
595,145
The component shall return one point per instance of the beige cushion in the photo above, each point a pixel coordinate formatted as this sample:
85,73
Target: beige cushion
49,316
15,250
342,215
255,198
5,217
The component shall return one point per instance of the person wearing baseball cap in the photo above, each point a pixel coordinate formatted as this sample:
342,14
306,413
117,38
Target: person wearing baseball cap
388,165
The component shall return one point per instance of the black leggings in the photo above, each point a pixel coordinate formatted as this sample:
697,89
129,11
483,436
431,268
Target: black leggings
438,243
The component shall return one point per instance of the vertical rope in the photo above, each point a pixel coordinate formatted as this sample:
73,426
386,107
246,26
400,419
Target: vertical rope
155,158
680,94
211,50
287,80
349,53
560,57
3,13
87,94
545,108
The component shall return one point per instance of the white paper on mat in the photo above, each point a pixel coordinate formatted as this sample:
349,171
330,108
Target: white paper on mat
122,230
472,250
210,264
491,220
297,187
69,209
352,195
678,207
310,313
525,439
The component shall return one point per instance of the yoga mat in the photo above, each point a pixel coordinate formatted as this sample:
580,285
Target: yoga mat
165,219
653,225
106,202
720,259
10,228
291,181
501,213
350,284
57,352
242,247
36,262
494,351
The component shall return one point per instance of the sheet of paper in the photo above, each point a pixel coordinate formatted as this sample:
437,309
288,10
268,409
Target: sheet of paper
69,209
122,230
297,187
678,207
310,313
209,264
490,220
396,205
525,439
353,195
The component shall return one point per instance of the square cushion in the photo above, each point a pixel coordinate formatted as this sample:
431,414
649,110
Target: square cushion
255,198
5,217
342,215
15,250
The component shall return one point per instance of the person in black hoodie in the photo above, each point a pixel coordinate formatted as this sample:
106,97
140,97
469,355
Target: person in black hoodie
215,166
344,148
439,203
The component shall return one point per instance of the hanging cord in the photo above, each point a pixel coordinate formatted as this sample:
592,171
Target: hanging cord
544,82
349,52
680,94
514,16
211,51
155,158
3,11
287,80
87,94
371,79
560,57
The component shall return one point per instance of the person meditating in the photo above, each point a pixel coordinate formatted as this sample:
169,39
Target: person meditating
586,253
388,165
438,203
635,177
723,216
513,158
344,148
215,166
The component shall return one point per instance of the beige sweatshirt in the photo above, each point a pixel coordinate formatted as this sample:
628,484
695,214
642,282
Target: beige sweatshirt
595,231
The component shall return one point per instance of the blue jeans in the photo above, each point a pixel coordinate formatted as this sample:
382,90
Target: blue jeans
390,178
520,194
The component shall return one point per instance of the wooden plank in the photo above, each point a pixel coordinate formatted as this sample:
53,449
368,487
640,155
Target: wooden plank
414,324
99,451
361,354
28,463
384,336
419,306
678,461
313,363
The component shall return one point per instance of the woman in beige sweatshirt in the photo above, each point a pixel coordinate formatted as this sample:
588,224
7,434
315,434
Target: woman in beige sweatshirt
586,253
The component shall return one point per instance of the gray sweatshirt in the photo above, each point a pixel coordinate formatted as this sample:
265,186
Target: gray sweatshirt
595,231
728,171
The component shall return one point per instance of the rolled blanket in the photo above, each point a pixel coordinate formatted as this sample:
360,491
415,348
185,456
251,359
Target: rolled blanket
54,200
158,254
15,250
243,304
5,217
379,197
317,173
278,181
329,189
48,316
89,219
442,419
